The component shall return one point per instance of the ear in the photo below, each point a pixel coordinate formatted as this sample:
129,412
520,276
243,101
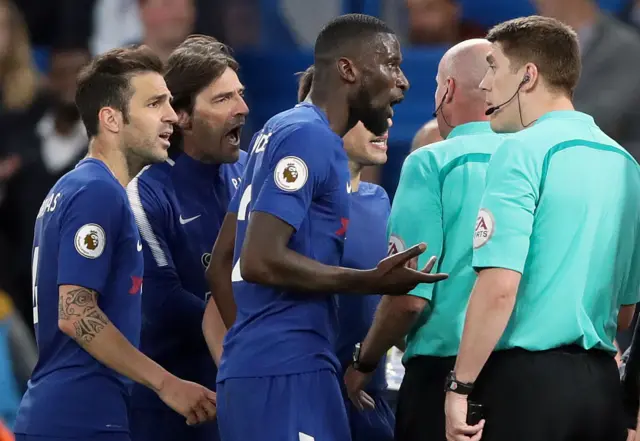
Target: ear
347,70
184,121
530,71
451,89
110,119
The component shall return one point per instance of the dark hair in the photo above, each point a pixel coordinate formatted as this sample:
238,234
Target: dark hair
105,82
344,35
304,83
548,43
192,66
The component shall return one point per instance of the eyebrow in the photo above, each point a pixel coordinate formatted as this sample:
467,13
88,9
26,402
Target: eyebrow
227,94
160,98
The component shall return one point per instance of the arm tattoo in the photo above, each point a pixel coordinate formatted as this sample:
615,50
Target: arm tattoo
80,305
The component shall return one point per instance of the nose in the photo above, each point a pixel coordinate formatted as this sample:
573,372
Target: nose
484,84
170,115
242,108
402,82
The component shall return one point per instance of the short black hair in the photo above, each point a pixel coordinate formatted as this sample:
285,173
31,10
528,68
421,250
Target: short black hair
193,65
304,83
105,82
337,38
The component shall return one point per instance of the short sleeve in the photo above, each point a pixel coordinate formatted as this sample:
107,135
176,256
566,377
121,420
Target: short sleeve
89,233
416,214
505,219
299,169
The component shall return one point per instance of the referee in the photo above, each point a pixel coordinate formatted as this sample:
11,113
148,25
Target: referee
436,202
556,248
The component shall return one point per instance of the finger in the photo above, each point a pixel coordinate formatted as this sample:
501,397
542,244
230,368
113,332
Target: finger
356,402
367,401
468,430
429,266
412,264
433,278
211,396
400,259
200,414
477,436
192,419
209,409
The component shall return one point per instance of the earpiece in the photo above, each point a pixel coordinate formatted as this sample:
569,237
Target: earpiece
526,78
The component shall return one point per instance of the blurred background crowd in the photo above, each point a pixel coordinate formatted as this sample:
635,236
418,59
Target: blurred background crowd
43,44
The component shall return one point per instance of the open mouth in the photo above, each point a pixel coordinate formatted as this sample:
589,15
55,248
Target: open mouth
379,142
165,136
233,135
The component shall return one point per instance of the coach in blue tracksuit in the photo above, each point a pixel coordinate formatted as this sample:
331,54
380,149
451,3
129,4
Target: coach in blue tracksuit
179,206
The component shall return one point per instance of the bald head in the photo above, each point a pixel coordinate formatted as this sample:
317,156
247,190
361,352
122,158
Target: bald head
466,63
428,134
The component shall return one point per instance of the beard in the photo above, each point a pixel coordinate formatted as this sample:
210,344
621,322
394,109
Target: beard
375,119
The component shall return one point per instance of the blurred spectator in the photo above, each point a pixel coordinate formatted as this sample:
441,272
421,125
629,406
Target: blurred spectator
18,92
115,23
49,148
428,134
10,396
609,87
52,22
439,22
166,23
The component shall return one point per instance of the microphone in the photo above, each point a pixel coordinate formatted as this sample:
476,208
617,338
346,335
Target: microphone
492,110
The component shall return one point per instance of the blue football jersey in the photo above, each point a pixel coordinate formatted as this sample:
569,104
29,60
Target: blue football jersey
298,172
365,246
85,235
179,207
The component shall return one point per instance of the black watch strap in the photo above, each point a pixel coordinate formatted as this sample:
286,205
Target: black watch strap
361,367
453,385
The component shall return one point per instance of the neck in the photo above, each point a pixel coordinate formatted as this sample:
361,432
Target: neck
467,112
123,168
551,103
334,105
191,148
355,170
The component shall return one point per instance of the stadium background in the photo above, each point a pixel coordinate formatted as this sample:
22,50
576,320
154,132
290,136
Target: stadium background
47,40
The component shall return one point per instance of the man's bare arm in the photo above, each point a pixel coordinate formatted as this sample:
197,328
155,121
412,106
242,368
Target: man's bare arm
267,259
394,318
81,319
219,271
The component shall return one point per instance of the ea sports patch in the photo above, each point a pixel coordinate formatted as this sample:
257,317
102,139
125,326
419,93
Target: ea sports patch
484,228
90,241
291,173
396,245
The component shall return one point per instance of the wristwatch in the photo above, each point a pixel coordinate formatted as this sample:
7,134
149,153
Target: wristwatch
453,385
357,365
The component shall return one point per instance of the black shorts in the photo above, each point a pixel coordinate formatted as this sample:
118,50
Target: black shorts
420,408
564,394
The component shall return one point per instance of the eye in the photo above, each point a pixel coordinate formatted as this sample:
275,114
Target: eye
154,104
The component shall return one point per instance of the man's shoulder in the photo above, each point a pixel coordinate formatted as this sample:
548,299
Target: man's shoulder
300,119
89,177
156,174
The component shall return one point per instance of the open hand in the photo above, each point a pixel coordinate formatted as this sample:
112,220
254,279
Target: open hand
397,274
